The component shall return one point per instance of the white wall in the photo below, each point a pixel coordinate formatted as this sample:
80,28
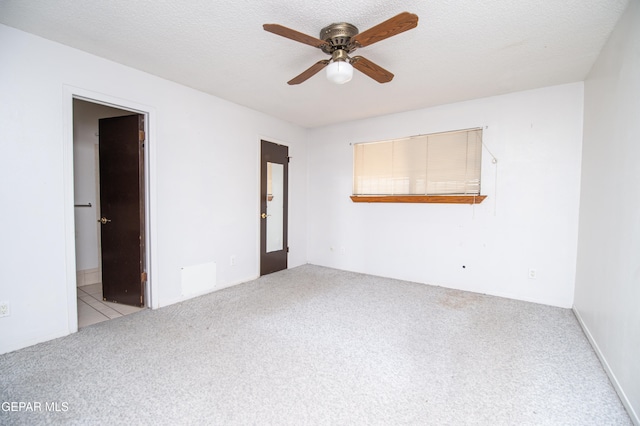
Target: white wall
204,181
608,266
529,219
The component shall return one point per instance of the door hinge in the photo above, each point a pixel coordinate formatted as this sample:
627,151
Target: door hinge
289,159
143,277
141,135
287,249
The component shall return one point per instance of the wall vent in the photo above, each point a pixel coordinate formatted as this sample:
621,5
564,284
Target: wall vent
198,279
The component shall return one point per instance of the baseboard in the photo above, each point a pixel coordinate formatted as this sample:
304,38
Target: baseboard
612,377
218,287
88,277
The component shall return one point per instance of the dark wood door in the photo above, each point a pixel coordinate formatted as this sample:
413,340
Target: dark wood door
274,202
122,209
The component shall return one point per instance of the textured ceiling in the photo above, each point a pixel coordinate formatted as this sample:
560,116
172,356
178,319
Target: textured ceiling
461,49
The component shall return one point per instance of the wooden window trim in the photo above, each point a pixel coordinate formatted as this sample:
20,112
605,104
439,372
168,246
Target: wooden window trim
433,199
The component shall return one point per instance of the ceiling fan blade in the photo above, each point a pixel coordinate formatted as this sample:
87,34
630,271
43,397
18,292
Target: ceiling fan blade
294,35
374,71
309,72
396,25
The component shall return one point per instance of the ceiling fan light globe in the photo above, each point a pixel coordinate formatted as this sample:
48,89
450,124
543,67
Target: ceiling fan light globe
339,72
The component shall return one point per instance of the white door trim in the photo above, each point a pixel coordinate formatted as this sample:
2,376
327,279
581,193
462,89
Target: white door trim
69,94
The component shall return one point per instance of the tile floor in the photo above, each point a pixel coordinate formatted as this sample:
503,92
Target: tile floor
92,309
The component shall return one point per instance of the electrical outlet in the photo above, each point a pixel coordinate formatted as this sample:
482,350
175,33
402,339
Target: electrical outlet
532,274
4,309
232,261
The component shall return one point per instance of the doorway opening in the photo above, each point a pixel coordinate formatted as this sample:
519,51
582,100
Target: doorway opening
109,211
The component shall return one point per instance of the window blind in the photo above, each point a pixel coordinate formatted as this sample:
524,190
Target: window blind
436,164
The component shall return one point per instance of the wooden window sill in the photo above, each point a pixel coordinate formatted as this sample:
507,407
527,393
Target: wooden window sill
436,199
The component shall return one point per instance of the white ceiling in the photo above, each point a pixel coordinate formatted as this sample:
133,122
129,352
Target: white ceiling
461,49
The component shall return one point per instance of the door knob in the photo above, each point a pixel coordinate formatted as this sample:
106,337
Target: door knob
263,215
103,220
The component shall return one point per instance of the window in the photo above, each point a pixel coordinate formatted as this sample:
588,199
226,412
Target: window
439,167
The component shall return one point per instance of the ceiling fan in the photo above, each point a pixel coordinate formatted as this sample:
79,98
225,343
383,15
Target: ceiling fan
339,40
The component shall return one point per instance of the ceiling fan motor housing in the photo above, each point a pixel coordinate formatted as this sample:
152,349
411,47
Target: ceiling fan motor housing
338,36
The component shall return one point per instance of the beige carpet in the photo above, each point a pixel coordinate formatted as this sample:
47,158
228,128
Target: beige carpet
313,345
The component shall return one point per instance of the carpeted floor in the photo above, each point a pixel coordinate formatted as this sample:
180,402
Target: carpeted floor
313,345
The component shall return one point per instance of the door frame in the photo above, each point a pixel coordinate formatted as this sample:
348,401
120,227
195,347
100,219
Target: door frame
69,94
